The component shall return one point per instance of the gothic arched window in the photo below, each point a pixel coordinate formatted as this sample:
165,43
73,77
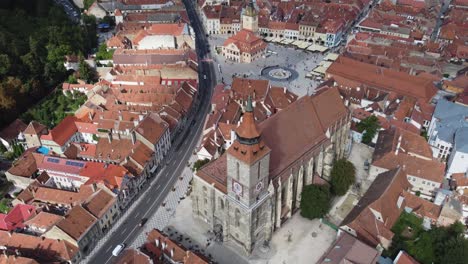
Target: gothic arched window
221,203
237,217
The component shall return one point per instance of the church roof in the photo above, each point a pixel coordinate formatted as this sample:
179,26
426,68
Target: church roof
292,133
301,127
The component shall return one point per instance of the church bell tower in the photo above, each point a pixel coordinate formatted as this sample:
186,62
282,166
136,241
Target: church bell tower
249,217
250,17
248,161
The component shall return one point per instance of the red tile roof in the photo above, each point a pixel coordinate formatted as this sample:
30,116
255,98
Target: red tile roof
35,128
382,196
45,250
99,203
13,259
63,131
349,72
43,220
404,258
246,41
308,119
77,222
152,128
16,217
172,250
348,249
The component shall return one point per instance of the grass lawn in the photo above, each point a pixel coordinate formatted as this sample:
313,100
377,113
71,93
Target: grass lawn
408,225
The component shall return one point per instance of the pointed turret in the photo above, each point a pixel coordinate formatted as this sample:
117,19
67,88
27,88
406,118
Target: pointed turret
248,147
247,132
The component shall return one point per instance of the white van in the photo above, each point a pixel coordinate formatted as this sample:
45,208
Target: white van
118,249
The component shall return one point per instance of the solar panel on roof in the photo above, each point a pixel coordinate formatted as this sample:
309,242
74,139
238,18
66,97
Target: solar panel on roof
53,160
74,163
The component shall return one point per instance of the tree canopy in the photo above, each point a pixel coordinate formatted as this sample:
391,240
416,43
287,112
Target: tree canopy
370,125
315,201
31,57
199,163
103,54
437,245
87,73
343,175
54,108
87,3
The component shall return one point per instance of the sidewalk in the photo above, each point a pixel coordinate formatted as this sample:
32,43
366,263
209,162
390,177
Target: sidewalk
163,215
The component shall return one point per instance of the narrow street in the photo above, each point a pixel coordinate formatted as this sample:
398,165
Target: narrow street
150,198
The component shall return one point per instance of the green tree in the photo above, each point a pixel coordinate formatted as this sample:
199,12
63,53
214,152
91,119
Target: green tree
370,125
4,64
87,3
315,201
437,245
199,163
343,175
86,72
2,148
72,79
89,36
108,20
103,54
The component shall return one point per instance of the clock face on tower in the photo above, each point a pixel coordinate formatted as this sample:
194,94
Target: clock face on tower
237,188
259,186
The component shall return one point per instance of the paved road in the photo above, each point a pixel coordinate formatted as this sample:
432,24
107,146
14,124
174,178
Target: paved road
70,10
155,192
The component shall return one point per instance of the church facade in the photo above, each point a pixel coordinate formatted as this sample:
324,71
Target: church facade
255,186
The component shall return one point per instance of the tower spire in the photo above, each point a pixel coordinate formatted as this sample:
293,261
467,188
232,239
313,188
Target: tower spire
249,107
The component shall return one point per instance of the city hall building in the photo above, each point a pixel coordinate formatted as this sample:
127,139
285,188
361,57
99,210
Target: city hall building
255,185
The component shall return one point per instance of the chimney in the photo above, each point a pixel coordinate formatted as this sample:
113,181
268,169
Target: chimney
133,135
284,90
109,136
172,253
233,135
398,145
90,116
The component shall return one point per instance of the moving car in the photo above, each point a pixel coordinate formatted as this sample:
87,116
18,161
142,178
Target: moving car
143,221
118,249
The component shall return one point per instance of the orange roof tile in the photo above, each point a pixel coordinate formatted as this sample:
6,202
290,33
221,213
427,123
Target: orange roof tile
46,250
77,222
63,131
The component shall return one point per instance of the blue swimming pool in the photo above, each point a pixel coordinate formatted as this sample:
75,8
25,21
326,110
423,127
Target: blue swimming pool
43,150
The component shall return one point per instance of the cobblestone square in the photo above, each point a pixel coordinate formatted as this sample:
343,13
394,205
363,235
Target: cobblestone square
292,243
299,60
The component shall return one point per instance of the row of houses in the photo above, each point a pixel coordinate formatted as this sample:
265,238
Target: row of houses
76,179
312,21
